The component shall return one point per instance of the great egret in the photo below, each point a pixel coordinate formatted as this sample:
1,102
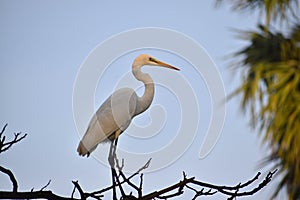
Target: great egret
116,113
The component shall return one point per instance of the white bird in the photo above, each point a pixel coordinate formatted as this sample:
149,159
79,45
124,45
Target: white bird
116,113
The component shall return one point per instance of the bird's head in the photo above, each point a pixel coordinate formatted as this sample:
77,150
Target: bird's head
145,59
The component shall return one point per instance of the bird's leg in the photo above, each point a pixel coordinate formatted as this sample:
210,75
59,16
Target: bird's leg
112,167
111,155
111,160
112,151
115,148
116,165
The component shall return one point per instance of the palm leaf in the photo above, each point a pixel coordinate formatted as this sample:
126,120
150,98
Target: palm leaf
271,91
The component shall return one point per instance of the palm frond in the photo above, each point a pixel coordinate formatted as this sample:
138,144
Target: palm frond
271,91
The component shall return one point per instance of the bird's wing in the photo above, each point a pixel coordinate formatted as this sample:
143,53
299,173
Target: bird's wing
115,113
92,137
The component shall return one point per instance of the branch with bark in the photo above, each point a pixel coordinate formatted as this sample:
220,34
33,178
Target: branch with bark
124,188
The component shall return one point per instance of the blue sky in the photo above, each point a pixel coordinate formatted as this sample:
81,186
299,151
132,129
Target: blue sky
44,43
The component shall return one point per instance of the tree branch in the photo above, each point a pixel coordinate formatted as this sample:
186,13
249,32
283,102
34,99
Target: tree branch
11,177
45,185
230,191
33,195
119,179
77,186
4,146
179,185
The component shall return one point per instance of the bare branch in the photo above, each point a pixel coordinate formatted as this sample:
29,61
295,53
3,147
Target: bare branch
232,192
73,192
119,179
4,146
3,129
46,185
83,195
158,194
33,195
259,187
77,186
11,176
140,189
202,192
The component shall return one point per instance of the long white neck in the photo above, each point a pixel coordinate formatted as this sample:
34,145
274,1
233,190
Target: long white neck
144,101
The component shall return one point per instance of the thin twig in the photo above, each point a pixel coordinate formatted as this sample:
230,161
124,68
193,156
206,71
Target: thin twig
46,185
3,129
5,146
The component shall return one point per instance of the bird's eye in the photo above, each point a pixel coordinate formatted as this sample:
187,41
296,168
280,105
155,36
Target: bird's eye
152,59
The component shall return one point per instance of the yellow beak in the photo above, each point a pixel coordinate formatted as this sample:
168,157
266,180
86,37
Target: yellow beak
166,65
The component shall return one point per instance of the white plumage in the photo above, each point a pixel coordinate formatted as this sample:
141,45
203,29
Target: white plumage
116,113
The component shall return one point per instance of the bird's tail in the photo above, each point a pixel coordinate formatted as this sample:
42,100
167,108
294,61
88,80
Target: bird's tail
82,150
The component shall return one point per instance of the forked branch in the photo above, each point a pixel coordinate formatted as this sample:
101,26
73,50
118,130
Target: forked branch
4,146
190,183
